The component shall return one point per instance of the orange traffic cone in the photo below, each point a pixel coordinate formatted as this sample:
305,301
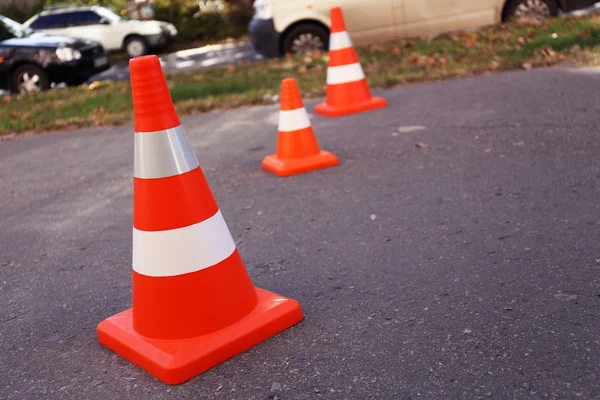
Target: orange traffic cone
297,147
194,304
347,88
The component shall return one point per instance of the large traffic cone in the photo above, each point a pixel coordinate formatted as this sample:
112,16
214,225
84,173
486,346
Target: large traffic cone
297,147
194,304
347,88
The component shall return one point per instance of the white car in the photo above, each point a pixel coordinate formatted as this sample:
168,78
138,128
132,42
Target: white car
296,26
97,23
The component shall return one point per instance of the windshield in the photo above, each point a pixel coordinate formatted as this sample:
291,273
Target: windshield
107,14
15,28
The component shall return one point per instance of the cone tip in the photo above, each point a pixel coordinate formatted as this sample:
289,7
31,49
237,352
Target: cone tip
152,104
290,95
337,20
289,82
139,63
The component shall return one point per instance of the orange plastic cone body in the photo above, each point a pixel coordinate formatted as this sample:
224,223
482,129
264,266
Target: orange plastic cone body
194,305
297,147
347,88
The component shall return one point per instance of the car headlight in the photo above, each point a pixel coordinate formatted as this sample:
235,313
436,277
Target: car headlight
263,9
67,54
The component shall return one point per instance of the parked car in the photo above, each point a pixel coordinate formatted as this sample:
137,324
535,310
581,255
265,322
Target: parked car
294,26
137,38
30,61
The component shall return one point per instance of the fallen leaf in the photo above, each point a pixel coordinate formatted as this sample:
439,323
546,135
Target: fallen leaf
422,60
529,21
583,34
14,114
488,150
231,68
467,331
494,65
373,217
396,50
508,308
473,40
521,40
527,65
421,145
302,69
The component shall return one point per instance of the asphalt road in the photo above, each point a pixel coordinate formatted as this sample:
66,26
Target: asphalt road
190,60
467,269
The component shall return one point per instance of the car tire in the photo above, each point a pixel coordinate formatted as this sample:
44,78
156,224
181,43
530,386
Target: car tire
136,46
304,38
29,78
537,9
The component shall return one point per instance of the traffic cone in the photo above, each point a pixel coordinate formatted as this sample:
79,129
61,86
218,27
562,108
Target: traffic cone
297,147
193,304
347,88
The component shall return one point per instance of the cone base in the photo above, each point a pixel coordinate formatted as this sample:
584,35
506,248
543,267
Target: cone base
329,111
294,166
176,361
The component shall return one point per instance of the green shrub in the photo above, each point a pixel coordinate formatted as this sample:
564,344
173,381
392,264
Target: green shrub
212,20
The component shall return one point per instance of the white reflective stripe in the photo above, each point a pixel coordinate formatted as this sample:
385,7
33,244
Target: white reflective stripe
293,120
184,250
344,74
339,41
163,153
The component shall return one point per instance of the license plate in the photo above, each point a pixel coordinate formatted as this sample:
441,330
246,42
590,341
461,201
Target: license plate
100,62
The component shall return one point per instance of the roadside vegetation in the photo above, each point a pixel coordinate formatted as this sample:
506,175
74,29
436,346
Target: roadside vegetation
526,44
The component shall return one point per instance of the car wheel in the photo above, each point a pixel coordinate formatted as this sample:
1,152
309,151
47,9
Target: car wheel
535,9
305,38
136,46
29,78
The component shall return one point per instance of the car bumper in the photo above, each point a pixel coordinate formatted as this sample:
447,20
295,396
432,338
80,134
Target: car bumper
77,71
160,40
264,37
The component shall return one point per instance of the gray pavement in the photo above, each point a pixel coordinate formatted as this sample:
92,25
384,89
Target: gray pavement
467,269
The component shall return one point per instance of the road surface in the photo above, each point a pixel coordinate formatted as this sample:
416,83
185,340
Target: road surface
467,267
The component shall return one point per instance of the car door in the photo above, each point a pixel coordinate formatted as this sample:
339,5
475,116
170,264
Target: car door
89,25
425,17
367,21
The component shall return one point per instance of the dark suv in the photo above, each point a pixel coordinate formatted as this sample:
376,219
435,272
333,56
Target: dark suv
31,61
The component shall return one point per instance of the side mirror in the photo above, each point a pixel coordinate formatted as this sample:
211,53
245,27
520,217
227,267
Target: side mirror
104,21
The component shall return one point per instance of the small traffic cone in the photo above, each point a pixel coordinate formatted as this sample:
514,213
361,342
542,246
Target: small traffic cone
297,147
194,305
347,88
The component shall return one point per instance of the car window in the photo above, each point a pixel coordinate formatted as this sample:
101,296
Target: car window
83,18
50,21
